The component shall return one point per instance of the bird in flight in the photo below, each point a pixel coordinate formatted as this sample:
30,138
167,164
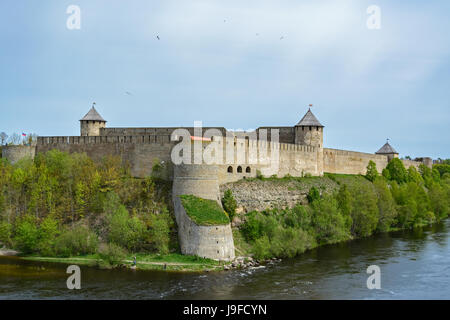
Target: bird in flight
281,38
128,93
157,37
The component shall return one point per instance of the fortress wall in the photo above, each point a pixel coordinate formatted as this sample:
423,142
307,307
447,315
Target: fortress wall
350,162
295,160
139,151
151,131
411,163
286,134
15,153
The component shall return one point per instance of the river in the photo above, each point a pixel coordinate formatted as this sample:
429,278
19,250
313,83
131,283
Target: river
414,264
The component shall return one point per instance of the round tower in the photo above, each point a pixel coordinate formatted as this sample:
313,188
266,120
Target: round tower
309,131
91,123
207,241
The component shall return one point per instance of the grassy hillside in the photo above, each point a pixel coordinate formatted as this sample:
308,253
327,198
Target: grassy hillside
204,212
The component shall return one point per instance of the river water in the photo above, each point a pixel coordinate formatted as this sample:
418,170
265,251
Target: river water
414,264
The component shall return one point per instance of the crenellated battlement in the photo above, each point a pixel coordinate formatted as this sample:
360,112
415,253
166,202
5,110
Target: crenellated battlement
148,139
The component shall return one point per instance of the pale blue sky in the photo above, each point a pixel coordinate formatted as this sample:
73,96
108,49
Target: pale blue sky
366,85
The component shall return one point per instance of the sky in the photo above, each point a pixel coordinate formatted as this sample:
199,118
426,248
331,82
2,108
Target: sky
234,64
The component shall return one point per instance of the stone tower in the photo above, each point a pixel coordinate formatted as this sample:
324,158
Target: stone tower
309,131
388,151
91,123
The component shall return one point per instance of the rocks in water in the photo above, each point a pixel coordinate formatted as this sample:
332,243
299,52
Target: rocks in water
242,263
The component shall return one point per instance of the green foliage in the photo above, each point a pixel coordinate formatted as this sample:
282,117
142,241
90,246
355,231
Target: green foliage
358,209
229,203
329,224
259,175
365,213
345,204
27,234
280,235
386,205
442,168
397,171
48,233
112,254
6,230
313,195
46,199
414,176
79,240
128,232
159,232
386,174
372,172
204,212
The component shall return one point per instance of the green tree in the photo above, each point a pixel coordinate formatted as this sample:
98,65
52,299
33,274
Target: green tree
365,212
372,172
229,203
328,222
414,176
160,232
48,232
386,206
27,234
313,195
397,171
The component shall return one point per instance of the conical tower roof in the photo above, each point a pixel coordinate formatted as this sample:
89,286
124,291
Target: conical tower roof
309,119
93,115
386,149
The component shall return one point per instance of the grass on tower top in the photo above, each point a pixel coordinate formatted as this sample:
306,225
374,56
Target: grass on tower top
204,212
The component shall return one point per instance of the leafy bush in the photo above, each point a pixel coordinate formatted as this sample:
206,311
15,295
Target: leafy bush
372,172
76,241
386,206
27,234
5,233
397,171
128,232
48,232
112,254
365,213
328,223
160,232
313,195
229,203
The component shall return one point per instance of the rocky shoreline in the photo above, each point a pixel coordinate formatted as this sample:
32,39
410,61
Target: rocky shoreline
248,262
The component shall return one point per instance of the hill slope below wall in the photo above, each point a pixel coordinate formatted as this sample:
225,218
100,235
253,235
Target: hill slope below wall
269,193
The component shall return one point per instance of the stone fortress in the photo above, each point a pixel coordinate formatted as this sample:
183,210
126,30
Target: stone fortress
298,151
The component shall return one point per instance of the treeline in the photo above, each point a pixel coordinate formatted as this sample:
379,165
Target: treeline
363,205
62,204
17,139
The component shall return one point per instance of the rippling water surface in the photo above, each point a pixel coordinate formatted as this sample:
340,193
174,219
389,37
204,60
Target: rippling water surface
414,265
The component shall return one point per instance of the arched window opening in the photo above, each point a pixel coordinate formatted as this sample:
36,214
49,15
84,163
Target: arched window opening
248,170
230,169
239,169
